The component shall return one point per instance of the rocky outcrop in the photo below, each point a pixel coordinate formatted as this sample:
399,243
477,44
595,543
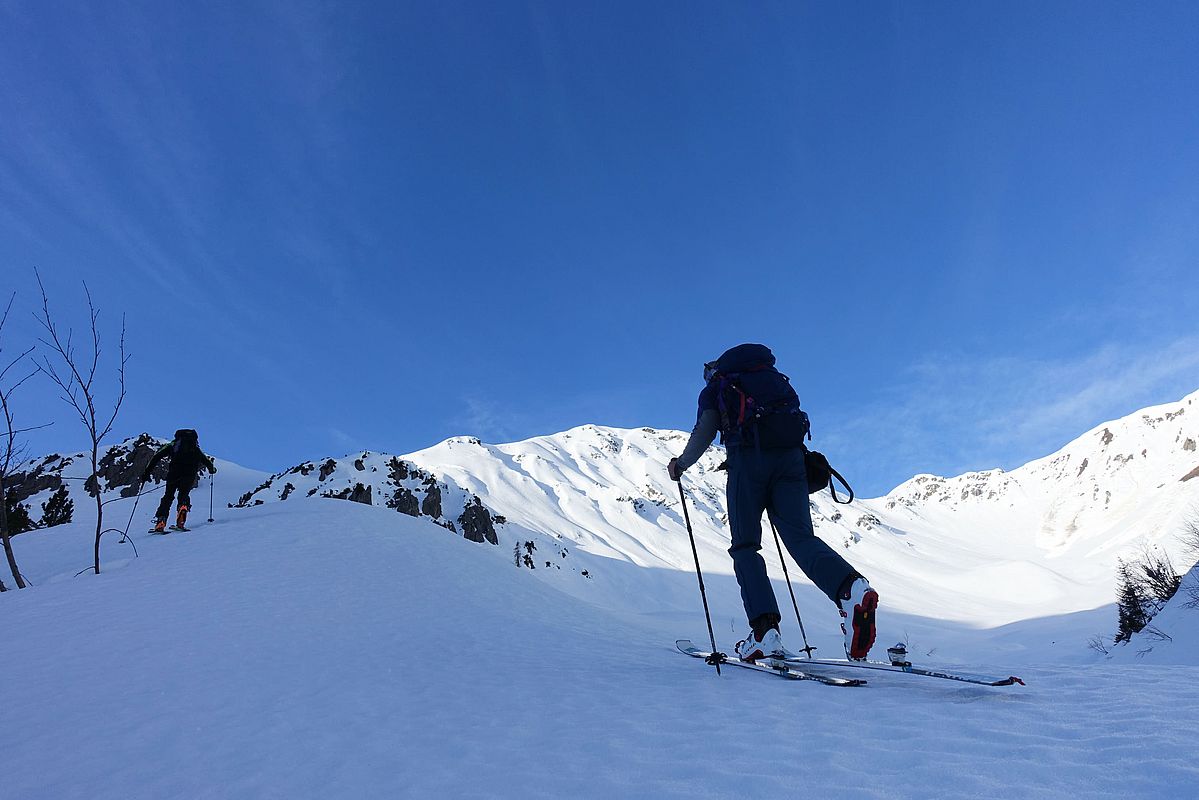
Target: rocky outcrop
399,484
431,505
405,502
477,523
23,485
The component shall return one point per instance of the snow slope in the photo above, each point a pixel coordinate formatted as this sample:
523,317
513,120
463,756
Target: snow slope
986,549
322,649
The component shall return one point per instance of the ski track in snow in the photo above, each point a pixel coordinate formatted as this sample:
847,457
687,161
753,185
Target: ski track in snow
321,648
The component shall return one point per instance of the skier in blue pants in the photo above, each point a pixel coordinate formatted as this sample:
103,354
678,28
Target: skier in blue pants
757,413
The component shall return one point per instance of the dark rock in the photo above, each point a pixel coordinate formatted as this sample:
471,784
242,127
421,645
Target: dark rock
397,470
477,524
361,494
431,505
123,467
405,502
328,468
244,500
23,485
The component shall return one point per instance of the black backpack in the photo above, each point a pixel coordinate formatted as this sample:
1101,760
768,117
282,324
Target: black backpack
757,403
186,439
759,407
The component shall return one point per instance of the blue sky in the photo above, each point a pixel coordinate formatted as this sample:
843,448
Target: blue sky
968,230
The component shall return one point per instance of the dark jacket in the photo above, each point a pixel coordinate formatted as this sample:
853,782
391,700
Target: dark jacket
186,460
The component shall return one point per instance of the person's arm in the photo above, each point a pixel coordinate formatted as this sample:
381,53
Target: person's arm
702,436
209,463
162,451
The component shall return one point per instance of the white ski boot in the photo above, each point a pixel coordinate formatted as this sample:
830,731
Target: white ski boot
751,648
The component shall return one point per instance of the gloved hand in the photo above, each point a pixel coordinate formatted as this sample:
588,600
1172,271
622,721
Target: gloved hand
673,470
212,470
145,477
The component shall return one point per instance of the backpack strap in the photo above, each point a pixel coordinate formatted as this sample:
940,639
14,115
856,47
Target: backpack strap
833,489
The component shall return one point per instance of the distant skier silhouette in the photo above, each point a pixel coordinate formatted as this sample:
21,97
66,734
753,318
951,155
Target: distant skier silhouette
186,461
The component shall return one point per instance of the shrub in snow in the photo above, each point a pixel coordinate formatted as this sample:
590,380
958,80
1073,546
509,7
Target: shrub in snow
1144,585
58,510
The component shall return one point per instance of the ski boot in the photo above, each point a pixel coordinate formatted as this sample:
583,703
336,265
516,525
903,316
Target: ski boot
858,606
181,518
751,648
160,525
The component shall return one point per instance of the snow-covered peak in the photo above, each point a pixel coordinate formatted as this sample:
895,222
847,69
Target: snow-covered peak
1160,441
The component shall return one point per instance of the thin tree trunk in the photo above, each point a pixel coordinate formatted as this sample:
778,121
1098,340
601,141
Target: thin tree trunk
99,503
12,559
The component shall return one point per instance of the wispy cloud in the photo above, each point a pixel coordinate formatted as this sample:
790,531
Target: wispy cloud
344,442
497,420
956,413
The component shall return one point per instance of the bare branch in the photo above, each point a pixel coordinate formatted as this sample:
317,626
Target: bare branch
14,362
7,308
33,428
77,385
121,382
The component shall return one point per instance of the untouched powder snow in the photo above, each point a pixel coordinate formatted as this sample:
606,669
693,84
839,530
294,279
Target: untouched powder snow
319,648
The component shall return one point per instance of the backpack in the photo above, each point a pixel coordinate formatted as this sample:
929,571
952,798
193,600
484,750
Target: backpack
186,439
757,403
759,407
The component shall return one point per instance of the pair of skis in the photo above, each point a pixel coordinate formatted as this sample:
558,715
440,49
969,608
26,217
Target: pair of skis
794,667
179,528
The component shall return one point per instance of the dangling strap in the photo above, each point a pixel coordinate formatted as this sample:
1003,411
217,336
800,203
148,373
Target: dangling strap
833,489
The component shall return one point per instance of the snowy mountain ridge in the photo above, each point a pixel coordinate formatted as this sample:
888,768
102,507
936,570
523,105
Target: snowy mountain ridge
987,547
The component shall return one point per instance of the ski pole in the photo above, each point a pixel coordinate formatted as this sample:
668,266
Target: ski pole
806,647
716,657
211,481
136,498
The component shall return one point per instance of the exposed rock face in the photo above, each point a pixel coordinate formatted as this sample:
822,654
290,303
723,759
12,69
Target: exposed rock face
123,468
431,505
120,467
405,502
398,470
399,484
22,485
476,522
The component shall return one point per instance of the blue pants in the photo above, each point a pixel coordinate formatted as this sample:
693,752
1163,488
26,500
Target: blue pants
777,482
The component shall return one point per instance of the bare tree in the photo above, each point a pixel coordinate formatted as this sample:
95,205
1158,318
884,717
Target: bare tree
11,450
1190,541
75,375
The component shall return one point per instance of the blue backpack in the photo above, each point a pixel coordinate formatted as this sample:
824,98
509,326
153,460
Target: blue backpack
758,406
